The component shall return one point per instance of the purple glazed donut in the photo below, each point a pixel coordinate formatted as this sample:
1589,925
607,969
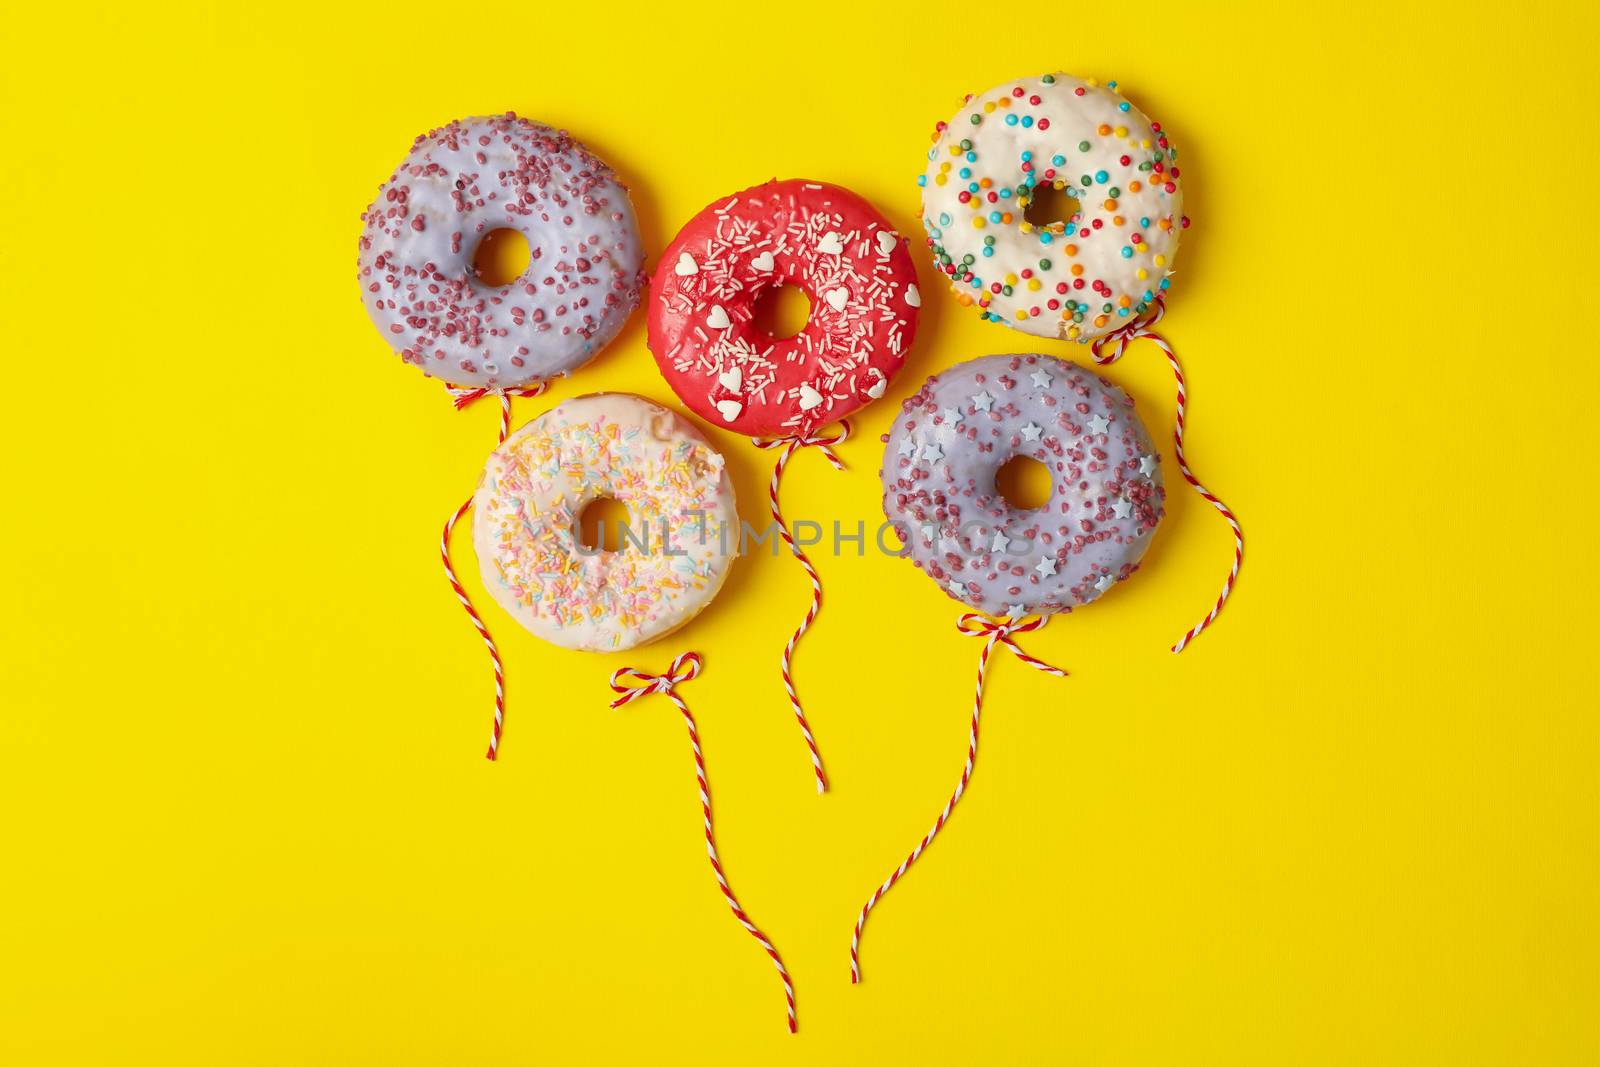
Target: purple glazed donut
460,183
952,437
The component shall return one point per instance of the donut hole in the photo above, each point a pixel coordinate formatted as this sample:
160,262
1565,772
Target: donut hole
1048,206
601,524
1024,482
782,311
502,256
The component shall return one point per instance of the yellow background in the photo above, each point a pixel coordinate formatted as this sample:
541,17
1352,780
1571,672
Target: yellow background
245,813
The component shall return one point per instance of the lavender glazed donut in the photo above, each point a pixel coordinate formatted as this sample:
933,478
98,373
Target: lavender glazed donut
459,183
952,437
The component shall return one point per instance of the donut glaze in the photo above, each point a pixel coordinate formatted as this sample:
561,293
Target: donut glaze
1077,279
534,490
951,438
856,271
459,183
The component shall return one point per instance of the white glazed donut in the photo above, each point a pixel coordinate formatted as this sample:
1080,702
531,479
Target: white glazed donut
680,509
1078,279
463,181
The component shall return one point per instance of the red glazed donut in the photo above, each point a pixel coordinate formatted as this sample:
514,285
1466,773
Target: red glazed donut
852,265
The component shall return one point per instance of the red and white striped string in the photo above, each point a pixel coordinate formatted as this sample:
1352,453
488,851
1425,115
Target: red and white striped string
1122,339
993,631
630,684
462,398
824,442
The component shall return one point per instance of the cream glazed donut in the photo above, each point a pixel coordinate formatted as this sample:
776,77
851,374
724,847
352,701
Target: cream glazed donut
459,183
952,437
680,504
829,242
1079,278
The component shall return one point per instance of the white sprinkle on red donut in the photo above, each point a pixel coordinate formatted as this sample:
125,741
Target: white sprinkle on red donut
458,184
827,241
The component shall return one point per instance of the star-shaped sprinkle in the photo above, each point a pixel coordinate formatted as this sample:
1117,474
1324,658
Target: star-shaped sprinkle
1046,567
952,417
1001,542
1041,379
1098,423
983,402
955,586
1032,432
1013,610
1147,465
932,453
1122,509
949,544
907,446
1104,582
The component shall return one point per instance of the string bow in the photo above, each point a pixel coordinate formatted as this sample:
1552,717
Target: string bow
464,397
630,683
823,442
1121,338
1000,631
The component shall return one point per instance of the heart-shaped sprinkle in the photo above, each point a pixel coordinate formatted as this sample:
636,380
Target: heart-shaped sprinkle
836,298
685,265
913,297
763,261
809,398
875,390
831,244
729,409
731,379
718,319
887,239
